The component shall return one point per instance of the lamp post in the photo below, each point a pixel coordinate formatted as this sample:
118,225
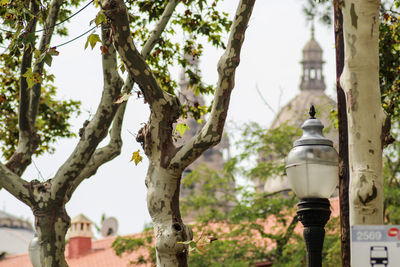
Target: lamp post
34,251
312,170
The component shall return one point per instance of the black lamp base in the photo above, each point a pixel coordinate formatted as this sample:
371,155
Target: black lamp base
314,214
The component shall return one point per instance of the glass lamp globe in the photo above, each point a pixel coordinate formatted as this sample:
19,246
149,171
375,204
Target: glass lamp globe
312,164
34,251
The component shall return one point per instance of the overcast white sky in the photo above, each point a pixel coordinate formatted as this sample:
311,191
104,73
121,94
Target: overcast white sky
270,60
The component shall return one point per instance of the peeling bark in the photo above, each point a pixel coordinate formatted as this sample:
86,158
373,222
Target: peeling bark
47,199
360,81
51,223
28,139
167,161
163,205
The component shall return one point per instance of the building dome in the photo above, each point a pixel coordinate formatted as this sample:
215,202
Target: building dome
312,88
312,51
312,77
296,111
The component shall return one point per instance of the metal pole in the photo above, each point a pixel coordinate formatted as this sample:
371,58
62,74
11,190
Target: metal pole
314,214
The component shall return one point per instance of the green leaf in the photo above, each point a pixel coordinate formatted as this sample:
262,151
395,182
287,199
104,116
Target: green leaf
32,78
100,18
136,157
122,67
182,128
36,53
29,77
48,59
92,40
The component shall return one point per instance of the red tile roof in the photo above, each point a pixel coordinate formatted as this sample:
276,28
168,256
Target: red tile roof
102,255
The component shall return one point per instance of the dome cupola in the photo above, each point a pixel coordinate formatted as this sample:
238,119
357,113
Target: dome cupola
312,77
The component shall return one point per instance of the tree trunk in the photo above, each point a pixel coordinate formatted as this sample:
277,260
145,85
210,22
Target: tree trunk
167,161
163,205
360,81
52,223
343,139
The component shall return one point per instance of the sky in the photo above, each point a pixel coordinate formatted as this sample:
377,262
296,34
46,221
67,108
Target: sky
270,61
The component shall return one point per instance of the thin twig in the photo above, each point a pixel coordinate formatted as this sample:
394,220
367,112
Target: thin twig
265,101
40,174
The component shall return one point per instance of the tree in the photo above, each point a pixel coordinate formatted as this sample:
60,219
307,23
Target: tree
166,161
366,119
47,199
26,61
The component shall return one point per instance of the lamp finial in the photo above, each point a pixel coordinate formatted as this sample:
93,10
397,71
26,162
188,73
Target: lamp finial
312,112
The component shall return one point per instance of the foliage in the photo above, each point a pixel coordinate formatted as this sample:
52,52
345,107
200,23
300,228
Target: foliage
54,114
243,237
53,117
268,147
136,157
391,171
196,21
216,186
321,10
128,244
389,60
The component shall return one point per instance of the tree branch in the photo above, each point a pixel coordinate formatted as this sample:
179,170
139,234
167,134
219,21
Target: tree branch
43,47
156,136
113,148
15,185
159,29
24,120
97,128
103,154
211,133
134,61
28,139
22,156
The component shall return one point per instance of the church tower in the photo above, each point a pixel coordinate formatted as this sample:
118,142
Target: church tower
312,77
211,158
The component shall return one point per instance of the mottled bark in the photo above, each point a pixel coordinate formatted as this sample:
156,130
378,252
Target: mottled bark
48,199
167,161
51,223
29,99
343,139
360,82
28,139
163,205
65,180
15,185
38,66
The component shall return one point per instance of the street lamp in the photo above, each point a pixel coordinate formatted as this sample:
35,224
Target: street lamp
312,170
34,251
